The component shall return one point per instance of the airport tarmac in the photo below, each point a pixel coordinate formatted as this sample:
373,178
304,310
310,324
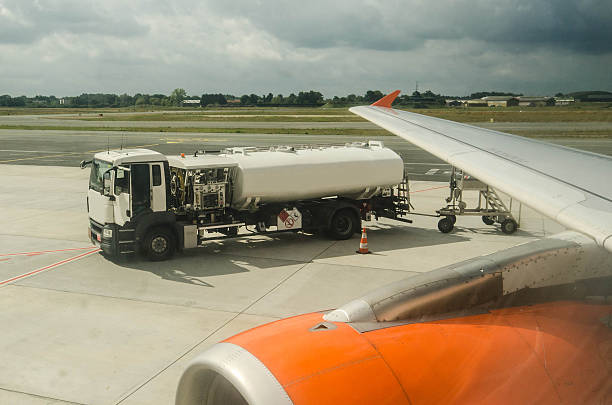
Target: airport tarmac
79,328
88,120
68,148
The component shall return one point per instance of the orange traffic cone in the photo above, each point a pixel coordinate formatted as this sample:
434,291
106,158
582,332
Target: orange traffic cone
363,244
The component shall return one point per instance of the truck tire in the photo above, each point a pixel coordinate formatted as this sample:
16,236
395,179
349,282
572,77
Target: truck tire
159,244
343,225
488,220
509,226
445,225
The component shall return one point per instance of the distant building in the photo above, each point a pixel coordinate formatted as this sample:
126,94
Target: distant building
190,103
453,103
501,101
535,101
564,100
476,103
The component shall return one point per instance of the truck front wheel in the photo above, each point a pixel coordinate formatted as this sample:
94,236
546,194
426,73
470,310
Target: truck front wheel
159,244
343,225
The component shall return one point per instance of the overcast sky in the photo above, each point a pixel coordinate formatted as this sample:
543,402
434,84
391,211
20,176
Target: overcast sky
67,47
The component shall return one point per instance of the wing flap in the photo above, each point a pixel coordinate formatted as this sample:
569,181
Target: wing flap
567,185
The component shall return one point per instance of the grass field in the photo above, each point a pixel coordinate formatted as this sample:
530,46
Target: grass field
578,133
228,117
236,130
593,112
36,111
137,111
525,114
581,112
54,111
474,114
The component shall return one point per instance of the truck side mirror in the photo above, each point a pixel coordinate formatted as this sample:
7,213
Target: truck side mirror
107,183
122,181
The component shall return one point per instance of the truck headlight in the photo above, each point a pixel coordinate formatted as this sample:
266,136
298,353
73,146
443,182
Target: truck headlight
107,233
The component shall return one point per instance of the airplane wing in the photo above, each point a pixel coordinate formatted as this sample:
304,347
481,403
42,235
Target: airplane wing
570,186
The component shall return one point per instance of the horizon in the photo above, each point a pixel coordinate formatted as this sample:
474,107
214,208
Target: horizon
326,97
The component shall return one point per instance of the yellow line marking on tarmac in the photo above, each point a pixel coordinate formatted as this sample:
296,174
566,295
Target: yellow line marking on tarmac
70,154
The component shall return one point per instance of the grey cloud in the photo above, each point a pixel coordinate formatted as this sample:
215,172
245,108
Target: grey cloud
24,22
336,47
582,25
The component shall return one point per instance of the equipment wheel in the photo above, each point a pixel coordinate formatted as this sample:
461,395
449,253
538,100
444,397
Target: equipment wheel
445,225
159,244
509,226
229,231
453,218
343,225
488,220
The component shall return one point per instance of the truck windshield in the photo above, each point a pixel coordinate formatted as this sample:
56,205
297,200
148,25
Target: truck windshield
98,167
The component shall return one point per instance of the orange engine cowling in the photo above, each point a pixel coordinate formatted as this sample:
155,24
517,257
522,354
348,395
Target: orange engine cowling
546,353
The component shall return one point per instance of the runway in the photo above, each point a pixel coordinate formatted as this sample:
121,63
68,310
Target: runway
68,148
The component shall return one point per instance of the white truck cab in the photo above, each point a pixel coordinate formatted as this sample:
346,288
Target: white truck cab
123,184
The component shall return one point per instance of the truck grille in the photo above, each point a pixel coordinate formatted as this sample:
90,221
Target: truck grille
96,227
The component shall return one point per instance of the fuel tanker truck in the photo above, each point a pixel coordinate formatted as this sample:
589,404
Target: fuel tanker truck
141,201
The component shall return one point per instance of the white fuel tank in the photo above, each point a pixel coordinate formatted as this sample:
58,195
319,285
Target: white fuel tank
358,170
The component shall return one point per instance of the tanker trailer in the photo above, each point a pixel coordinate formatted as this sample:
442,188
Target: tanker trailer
143,201
281,174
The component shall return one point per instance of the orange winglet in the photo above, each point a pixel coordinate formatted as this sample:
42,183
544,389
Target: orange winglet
387,100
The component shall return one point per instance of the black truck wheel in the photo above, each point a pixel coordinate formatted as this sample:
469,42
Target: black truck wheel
445,225
159,244
343,225
488,220
509,226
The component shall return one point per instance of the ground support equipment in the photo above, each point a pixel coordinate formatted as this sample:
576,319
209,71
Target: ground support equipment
490,207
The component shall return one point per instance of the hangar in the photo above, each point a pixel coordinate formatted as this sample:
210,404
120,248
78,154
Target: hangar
535,101
501,101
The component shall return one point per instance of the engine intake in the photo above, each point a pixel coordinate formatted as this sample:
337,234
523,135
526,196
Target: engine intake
227,374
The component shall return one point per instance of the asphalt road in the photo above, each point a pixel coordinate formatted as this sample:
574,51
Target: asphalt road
68,148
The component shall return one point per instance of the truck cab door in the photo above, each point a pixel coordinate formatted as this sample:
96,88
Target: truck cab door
141,188
122,193
148,188
158,187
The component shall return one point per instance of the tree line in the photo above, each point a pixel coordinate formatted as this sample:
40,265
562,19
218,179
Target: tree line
179,96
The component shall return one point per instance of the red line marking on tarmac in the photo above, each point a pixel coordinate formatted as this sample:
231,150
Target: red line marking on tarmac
56,264
428,189
43,251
